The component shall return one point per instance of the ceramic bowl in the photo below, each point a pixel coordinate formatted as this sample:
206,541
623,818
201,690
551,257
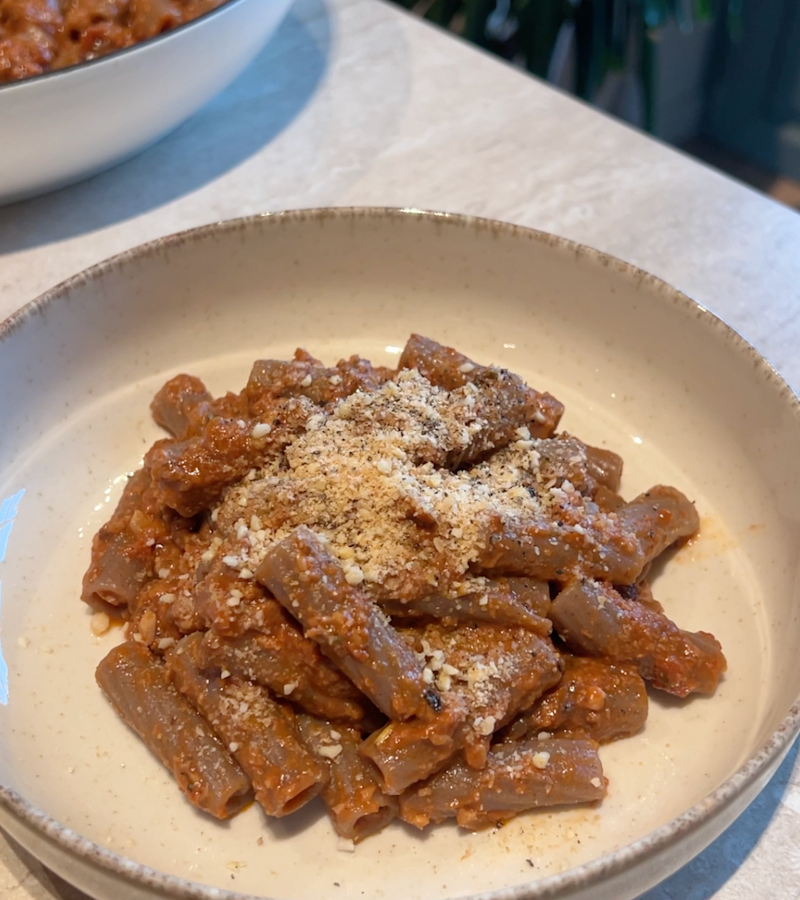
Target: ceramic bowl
641,368
63,126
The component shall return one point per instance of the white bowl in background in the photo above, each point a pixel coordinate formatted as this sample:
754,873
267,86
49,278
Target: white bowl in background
642,369
63,126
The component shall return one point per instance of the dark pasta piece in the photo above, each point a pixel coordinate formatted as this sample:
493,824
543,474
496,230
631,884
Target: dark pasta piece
139,688
400,591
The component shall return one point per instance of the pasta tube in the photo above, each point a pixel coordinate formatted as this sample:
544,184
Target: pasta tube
592,618
349,628
138,686
357,805
517,777
259,732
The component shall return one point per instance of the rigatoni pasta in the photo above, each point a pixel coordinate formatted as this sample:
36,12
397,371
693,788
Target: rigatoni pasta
140,689
401,590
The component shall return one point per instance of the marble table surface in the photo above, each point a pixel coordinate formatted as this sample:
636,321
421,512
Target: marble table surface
355,103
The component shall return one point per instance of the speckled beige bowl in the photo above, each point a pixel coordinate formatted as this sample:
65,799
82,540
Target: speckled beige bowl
641,368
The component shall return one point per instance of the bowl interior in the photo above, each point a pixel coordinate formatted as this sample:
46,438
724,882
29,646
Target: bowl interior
641,370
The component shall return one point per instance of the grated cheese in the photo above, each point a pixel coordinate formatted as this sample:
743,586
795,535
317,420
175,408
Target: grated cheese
540,759
100,623
262,429
367,476
330,751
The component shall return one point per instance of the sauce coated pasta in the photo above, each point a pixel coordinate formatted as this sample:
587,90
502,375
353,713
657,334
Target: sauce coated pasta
402,590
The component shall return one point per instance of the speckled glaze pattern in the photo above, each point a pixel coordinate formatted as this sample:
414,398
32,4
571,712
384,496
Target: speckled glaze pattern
698,408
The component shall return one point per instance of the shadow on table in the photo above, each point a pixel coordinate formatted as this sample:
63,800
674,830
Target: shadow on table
253,111
40,883
707,873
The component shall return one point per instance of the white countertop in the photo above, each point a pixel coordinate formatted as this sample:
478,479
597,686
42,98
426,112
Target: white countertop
356,103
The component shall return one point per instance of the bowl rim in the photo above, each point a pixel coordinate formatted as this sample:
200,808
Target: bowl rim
747,775
51,74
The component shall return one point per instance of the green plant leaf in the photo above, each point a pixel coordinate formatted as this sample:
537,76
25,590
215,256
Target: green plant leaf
476,12
702,10
442,11
528,30
539,24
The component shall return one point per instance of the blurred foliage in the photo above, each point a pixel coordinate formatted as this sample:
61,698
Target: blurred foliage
606,36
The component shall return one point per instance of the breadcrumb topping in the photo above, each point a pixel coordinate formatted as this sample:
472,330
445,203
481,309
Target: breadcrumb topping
369,478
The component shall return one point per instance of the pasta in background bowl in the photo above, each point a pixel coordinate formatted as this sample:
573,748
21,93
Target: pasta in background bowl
70,123
699,410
